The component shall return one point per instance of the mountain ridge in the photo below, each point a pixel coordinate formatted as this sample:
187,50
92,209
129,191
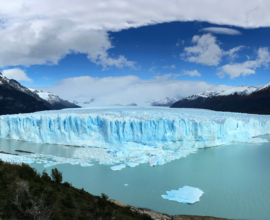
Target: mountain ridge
242,99
56,102
16,98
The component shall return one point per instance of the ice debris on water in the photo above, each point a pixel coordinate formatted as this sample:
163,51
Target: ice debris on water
185,194
132,164
118,167
86,164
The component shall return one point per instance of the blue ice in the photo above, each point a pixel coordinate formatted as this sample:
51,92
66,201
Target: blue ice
185,194
142,135
132,164
118,167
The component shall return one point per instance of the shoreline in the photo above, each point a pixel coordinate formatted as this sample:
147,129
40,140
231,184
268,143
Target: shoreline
161,216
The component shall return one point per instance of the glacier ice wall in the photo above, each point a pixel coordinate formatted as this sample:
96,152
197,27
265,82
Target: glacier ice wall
132,128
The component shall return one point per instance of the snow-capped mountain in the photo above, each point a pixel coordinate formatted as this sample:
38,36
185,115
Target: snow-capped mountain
56,102
165,102
245,99
15,98
239,90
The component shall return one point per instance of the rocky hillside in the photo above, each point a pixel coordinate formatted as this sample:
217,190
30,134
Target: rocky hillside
15,98
55,101
26,194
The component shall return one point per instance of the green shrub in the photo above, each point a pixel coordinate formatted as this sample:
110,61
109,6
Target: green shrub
27,172
104,196
66,184
68,202
45,176
56,175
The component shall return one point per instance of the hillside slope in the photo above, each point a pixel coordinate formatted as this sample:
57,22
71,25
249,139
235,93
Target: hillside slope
26,194
15,98
56,102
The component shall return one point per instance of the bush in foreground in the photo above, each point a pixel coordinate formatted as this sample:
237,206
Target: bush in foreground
25,194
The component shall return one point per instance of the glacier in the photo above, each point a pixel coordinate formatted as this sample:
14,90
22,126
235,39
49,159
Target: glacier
133,135
185,194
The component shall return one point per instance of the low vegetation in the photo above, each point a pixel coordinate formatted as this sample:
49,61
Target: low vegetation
26,194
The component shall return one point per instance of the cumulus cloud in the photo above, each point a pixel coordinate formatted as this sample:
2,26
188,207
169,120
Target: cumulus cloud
246,68
127,89
23,44
205,51
16,74
45,31
191,73
221,30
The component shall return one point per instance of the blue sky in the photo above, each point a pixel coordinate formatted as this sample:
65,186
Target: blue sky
119,54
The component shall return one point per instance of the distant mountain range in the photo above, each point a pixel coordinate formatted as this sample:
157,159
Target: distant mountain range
244,99
16,98
55,101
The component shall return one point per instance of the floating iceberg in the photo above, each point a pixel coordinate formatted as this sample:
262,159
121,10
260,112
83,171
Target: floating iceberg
127,135
132,164
185,194
118,167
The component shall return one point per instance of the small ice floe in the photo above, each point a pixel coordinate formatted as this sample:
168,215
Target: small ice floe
132,164
86,164
185,194
118,167
126,184
107,164
48,165
156,160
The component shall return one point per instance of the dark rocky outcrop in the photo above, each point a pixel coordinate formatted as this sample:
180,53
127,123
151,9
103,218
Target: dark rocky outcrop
15,98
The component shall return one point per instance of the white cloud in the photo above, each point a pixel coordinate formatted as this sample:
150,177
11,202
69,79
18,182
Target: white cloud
232,53
127,89
169,67
191,73
206,51
16,74
44,31
221,30
246,68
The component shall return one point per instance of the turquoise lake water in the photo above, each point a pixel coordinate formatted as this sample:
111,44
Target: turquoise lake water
235,179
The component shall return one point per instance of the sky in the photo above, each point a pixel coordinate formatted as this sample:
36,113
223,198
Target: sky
122,52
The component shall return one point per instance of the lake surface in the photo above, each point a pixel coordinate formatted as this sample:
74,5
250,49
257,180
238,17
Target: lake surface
235,179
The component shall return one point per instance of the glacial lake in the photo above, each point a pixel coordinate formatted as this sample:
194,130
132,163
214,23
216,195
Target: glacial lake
235,179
